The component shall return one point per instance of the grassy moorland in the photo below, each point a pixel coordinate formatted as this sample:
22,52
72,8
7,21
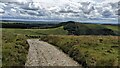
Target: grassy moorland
15,47
89,44
88,50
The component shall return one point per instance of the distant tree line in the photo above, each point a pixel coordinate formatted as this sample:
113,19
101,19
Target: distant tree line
24,25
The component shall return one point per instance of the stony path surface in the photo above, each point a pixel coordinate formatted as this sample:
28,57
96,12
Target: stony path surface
44,54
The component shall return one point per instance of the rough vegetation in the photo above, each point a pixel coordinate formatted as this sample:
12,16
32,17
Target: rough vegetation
14,49
88,50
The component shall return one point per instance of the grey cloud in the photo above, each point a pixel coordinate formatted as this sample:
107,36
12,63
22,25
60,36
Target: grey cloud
114,5
29,6
118,12
107,13
87,11
5,1
66,10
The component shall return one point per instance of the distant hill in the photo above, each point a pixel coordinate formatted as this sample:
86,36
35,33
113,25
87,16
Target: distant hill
75,28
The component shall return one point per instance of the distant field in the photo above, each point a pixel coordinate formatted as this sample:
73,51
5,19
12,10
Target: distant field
88,50
51,31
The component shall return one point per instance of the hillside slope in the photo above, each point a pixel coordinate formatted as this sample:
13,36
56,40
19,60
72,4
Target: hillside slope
88,50
75,28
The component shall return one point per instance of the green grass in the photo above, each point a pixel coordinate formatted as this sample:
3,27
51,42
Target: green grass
114,28
94,26
88,50
51,31
14,49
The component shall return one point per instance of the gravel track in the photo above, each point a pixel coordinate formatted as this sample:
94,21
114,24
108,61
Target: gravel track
44,54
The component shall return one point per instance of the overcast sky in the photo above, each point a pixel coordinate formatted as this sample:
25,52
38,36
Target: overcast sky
103,10
98,1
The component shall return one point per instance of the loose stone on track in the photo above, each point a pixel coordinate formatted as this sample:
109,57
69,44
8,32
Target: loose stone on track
44,54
